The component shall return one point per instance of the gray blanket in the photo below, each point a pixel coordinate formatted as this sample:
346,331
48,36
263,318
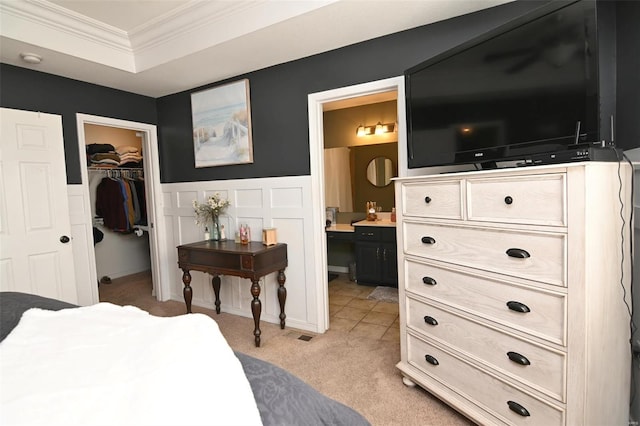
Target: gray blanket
282,398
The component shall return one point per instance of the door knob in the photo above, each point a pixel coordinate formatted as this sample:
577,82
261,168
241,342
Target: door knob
64,239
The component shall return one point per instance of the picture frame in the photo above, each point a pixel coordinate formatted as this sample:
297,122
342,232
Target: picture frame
221,118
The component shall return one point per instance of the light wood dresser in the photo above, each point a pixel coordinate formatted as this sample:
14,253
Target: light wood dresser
514,285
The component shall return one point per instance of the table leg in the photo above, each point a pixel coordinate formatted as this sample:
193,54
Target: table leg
216,290
187,292
256,309
282,296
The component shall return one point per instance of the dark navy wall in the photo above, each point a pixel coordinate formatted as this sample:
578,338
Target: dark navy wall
279,95
29,90
628,75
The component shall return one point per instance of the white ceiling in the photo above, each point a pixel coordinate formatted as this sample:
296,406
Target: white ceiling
160,47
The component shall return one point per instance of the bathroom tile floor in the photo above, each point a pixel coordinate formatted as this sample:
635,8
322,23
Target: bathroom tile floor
352,312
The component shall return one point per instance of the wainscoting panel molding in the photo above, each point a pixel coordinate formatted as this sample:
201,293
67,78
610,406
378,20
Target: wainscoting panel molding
283,203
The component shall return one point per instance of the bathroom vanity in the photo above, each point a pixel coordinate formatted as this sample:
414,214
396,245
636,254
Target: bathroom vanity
371,245
376,253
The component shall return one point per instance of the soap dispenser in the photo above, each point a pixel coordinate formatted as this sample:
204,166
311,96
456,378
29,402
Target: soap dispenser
371,211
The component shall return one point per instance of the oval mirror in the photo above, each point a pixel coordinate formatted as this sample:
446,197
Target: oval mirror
380,171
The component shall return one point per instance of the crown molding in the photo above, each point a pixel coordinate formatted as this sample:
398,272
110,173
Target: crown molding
198,25
188,29
52,27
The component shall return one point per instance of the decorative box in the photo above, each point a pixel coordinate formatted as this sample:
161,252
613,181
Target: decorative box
269,236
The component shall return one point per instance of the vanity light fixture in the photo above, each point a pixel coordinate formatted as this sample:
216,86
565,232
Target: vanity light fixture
365,130
378,129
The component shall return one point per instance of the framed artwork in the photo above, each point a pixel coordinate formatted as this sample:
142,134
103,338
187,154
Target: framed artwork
221,119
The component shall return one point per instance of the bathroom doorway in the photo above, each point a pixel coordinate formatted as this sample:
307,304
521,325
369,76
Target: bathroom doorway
317,103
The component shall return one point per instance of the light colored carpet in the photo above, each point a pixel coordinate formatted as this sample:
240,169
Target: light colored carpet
356,371
385,294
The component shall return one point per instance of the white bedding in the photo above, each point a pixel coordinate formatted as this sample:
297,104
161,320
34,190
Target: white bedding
111,365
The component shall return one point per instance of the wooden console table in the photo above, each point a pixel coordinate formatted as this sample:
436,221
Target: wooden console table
252,261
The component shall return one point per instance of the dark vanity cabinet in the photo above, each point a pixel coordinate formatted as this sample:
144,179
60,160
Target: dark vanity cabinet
376,255
340,251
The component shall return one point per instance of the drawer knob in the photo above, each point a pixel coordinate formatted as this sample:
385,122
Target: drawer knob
508,200
428,240
427,200
518,253
431,320
431,360
518,359
517,408
518,307
429,281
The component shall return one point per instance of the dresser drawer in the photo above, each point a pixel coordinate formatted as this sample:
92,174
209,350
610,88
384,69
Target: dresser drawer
541,368
544,254
488,392
536,199
434,199
488,299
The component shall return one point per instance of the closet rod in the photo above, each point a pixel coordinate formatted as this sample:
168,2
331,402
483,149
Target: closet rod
118,172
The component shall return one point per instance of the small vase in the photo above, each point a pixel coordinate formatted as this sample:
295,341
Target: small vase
215,228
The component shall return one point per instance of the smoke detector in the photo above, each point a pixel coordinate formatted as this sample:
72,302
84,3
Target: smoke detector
31,58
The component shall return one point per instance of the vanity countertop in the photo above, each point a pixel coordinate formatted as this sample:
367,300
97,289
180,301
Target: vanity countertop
345,227
339,227
379,222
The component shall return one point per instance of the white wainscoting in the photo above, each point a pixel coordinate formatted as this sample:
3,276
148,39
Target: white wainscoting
284,203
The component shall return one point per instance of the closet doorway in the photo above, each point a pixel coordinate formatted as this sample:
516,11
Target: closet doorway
140,246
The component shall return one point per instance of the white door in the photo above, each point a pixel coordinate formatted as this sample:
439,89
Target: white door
35,247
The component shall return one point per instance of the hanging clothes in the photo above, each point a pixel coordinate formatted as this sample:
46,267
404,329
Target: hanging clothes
128,203
142,201
121,203
110,205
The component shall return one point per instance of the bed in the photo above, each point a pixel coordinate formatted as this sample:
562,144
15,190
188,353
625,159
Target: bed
277,397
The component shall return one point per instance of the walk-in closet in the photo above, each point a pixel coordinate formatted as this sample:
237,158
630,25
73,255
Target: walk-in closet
117,190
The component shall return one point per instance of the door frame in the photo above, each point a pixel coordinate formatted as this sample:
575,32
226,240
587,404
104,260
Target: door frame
153,194
316,155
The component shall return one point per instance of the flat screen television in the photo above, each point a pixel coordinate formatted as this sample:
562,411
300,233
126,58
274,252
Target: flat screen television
529,87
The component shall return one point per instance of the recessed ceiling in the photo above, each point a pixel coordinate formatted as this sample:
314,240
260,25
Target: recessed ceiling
156,48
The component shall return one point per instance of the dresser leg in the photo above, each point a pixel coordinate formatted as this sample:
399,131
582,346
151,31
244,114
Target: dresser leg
408,382
187,292
256,309
215,281
282,296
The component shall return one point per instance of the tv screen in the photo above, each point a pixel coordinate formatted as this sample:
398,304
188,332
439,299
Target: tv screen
528,87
